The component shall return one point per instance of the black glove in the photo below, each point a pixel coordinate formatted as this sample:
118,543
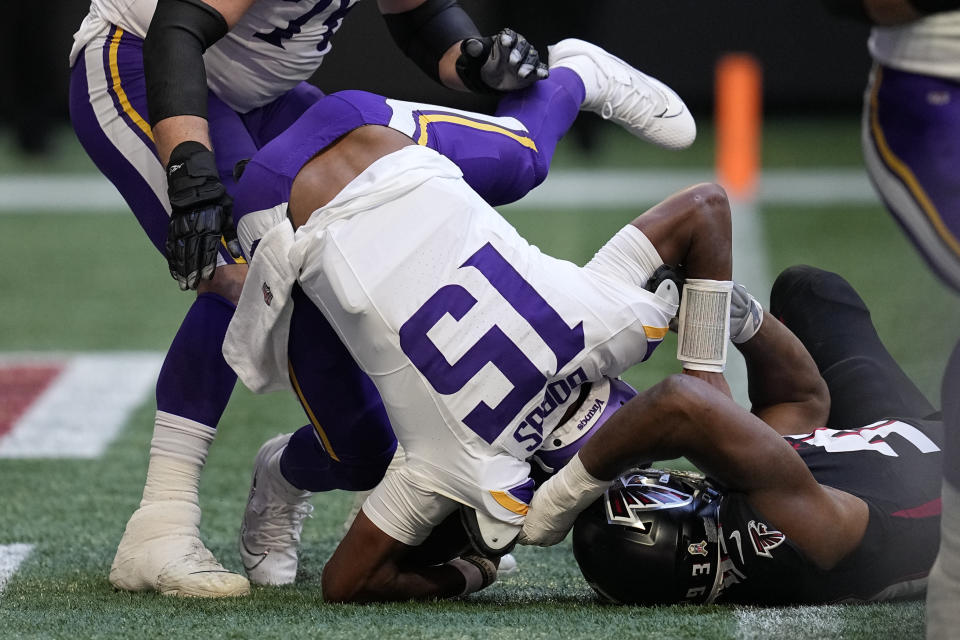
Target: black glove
505,62
202,213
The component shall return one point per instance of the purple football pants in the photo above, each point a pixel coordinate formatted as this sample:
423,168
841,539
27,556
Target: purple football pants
911,144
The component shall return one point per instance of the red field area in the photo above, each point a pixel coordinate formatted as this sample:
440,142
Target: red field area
20,386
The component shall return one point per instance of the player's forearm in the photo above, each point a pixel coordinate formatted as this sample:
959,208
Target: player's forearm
170,132
639,432
448,68
679,416
176,81
785,387
714,379
429,32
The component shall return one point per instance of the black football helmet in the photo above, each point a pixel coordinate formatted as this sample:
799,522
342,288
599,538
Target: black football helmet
652,539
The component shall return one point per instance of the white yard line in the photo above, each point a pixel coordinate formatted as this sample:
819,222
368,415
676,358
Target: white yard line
567,189
564,189
67,194
84,408
783,624
11,557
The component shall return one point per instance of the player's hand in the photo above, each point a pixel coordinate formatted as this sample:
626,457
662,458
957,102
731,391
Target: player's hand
556,505
504,62
746,315
202,213
545,524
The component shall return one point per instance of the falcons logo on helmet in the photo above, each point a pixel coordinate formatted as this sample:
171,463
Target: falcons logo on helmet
764,539
626,503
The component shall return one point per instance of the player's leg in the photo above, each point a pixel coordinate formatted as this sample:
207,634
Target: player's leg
349,442
506,155
161,548
833,322
943,590
349,429
502,158
347,445
910,125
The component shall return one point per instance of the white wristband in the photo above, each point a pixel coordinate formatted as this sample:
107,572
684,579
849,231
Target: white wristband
704,324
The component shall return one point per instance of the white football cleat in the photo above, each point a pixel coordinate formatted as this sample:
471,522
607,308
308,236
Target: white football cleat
161,551
642,105
273,519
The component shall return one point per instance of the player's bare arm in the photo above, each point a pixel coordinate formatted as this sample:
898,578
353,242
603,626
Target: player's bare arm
786,389
692,228
682,416
180,32
170,127
368,567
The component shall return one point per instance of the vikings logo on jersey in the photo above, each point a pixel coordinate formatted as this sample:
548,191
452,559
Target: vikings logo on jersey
764,539
640,493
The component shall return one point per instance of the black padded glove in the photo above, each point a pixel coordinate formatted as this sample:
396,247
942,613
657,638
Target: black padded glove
504,62
202,214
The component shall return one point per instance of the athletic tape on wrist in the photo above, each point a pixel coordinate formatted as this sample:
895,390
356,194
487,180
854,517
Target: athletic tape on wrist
578,485
704,324
628,255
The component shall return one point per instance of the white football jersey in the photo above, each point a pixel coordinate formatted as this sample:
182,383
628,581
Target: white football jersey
929,46
130,15
476,340
274,46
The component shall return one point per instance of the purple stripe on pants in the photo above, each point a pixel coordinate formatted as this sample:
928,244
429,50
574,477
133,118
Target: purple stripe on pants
130,69
112,163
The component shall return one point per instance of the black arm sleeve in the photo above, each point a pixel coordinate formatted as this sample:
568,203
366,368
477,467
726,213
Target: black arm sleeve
180,31
425,33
